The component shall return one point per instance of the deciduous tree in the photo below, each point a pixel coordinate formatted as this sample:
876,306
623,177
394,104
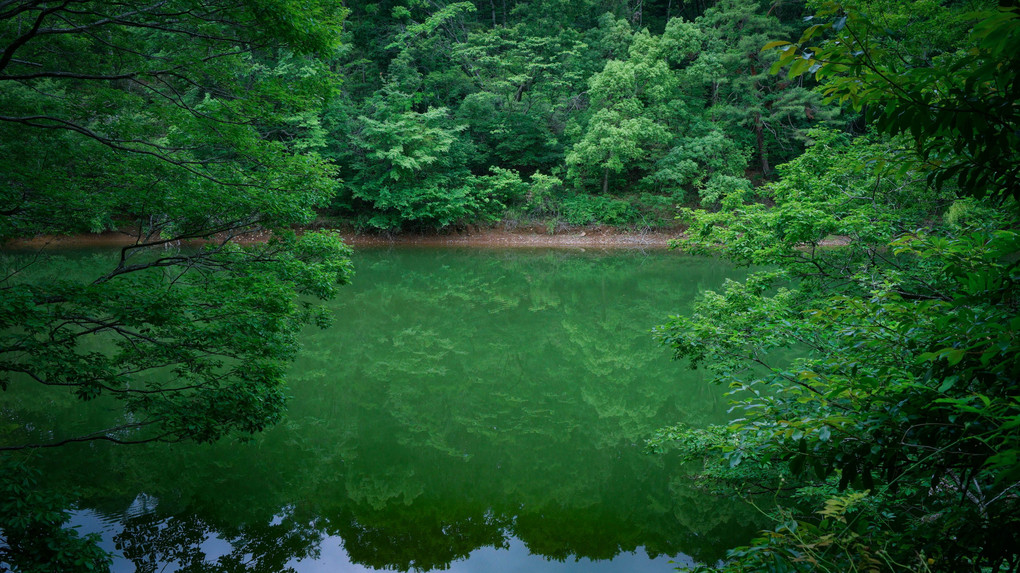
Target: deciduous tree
169,122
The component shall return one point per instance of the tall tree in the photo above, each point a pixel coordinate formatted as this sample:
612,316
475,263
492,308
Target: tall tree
526,87
630,113
760,110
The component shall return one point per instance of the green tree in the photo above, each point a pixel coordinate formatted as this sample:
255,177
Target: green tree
957,103
410,168
527,83
900,416
760,111
168,122
628,126
188,126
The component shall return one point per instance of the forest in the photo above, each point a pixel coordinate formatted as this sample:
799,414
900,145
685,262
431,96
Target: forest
761,132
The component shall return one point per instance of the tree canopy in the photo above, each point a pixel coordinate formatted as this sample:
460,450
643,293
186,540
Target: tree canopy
188,127
633,106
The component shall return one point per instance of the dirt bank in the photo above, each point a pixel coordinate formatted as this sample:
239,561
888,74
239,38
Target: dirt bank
600,238
579,238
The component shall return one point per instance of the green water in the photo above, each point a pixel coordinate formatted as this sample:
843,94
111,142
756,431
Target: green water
471,410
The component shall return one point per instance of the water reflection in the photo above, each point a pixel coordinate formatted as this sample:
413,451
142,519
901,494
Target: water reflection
472,411
213,553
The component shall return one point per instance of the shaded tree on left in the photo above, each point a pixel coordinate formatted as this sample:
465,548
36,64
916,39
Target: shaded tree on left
188,125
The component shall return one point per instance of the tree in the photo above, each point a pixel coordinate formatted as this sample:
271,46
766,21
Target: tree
170,122
628,126
957,104
409,168
526,86
762,112
899,417
686,107
705,156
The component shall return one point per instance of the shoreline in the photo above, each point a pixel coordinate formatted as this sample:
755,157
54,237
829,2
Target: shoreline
596,237
599,237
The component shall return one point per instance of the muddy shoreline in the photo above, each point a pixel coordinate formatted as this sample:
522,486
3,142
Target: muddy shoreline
598,238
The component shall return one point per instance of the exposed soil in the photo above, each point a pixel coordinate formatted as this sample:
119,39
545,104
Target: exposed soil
598,237
530,237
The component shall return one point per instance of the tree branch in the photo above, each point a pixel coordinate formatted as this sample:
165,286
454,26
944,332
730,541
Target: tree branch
102,435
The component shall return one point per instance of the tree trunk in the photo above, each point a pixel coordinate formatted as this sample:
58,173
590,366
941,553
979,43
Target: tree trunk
759,130
605,182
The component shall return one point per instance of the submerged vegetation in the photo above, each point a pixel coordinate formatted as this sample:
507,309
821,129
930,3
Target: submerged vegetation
890,443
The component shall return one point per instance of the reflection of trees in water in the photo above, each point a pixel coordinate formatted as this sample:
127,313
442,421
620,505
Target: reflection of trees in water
402,539
424,536
538,332
461,400
150,543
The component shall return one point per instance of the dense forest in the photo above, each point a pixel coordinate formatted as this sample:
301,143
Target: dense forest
586,112
771,127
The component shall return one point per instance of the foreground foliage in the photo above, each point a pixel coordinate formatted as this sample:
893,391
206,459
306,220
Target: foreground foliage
33,524
169,122
877,381
174,121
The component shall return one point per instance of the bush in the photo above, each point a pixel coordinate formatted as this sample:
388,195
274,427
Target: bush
596,209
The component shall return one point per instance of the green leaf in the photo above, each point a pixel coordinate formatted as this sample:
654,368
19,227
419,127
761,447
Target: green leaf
775,44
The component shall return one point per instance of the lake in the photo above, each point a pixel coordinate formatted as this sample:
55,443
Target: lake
469,410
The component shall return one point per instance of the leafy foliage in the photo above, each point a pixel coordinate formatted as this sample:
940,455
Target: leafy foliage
32,521
626,126
585,210
616,97
223,322
410,168
957,103
174,122
880,374
186,127
906,388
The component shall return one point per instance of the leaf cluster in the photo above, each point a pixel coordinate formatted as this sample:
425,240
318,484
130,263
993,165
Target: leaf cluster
958,104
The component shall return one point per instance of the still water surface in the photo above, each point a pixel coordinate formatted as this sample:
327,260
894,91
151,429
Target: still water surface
468,410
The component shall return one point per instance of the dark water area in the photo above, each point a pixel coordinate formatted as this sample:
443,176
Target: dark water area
469,410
